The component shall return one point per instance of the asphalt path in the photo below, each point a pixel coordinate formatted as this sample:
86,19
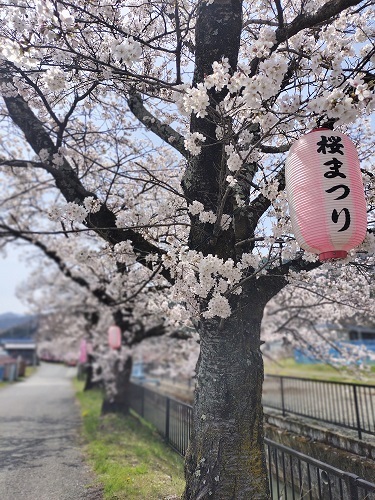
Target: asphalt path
40,454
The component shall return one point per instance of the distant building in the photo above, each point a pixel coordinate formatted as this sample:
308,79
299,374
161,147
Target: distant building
138,370
350,334
8,366
26,348
362,334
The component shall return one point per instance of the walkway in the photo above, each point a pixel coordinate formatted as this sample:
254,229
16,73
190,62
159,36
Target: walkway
40,457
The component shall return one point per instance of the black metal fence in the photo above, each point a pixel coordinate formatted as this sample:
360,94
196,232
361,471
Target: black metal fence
171,417
292,475
346,405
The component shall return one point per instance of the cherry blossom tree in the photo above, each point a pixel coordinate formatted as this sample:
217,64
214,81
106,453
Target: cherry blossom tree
84,294
316,313
110,273
225,87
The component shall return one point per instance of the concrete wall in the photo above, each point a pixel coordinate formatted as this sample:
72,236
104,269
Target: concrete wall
337,447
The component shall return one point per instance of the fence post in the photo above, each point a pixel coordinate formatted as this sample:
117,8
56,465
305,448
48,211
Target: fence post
282,395
352,487
357,411
167,408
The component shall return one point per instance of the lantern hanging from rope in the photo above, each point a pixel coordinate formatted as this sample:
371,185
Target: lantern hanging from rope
114,337
325,194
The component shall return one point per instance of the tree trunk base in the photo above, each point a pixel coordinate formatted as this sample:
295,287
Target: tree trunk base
117,389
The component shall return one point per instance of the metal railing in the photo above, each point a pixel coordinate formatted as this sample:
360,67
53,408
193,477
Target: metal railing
346,405
171,417
292,475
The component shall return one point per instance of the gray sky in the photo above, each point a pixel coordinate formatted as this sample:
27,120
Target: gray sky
13,271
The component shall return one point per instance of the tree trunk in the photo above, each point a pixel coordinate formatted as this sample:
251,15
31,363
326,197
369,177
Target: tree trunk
89,373
226,456
117,388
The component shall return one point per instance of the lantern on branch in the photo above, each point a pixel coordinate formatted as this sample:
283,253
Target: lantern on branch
114,337
325,193
83,352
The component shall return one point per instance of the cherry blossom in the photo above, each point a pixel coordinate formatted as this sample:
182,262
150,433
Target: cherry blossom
142,146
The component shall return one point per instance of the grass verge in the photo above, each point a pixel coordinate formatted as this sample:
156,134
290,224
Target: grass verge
30,370
289,367
127,454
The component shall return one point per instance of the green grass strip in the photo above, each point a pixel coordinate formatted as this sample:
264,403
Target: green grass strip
289,367
129,457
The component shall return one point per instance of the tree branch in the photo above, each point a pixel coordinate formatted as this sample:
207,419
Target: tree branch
303,21
165,132
138,336
280,14
275,149
100,294
261,204
306,20
69,184
296,265
22,164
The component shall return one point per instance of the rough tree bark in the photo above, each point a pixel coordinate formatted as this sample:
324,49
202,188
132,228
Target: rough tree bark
89,384
226,458
116,399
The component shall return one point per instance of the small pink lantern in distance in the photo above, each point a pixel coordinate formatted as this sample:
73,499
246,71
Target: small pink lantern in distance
325,193
83,352
114,337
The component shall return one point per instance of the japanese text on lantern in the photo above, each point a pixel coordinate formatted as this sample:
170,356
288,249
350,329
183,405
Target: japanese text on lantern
333,145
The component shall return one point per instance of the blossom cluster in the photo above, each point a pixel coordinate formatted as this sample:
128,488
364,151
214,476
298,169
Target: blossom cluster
54,79
209,280
124,252
70,211
74,212
193,142
57,53
127,51
196,100
208,216
234,161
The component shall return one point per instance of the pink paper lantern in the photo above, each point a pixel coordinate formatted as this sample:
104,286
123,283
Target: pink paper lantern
325,193
114,337
83,352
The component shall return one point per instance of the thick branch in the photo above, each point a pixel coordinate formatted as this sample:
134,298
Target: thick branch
70,186
280,14
156,331
217,34
165,132
274,149
296,265
261,204
303,21
100,294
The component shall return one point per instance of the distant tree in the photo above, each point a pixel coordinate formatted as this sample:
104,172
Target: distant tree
315,314
82,296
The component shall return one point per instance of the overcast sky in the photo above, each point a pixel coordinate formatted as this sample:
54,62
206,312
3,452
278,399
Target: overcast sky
13,271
